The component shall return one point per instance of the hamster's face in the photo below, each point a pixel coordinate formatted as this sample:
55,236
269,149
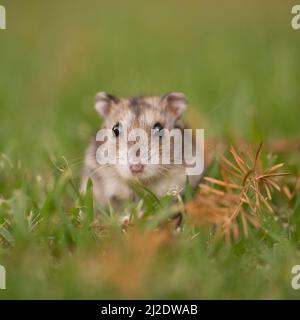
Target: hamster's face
138,121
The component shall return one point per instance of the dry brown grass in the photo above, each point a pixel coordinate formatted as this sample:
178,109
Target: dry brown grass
234,201
291,193
127,261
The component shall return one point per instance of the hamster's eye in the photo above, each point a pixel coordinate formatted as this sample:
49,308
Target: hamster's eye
117,129
158,129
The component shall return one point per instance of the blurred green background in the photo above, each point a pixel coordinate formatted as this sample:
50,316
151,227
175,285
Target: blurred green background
237,61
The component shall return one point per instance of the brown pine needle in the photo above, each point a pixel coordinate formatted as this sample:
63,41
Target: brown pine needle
248,201
238,176
272,175
222,183
265,202
291,194
268,192
275,168
273,184
212,190
287,192
238,160
244,223
250,155
231,164
247,176
235,212
232,202
257,154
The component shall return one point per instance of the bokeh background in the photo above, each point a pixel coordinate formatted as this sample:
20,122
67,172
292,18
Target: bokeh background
237,61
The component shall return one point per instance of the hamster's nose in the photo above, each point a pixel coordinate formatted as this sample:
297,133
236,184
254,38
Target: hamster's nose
136,168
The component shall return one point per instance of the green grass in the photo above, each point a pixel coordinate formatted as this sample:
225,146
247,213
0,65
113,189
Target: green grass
238,64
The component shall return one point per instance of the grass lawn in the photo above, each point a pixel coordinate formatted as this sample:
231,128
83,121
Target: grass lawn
239,65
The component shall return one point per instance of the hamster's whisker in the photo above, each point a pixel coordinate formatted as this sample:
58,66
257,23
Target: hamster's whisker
98,169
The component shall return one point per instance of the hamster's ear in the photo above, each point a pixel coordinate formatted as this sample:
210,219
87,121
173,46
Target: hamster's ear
176,103
103,103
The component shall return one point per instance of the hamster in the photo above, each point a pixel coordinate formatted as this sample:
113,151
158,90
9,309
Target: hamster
153,114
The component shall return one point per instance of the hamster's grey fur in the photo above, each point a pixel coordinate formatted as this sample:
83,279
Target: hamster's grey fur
111,183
